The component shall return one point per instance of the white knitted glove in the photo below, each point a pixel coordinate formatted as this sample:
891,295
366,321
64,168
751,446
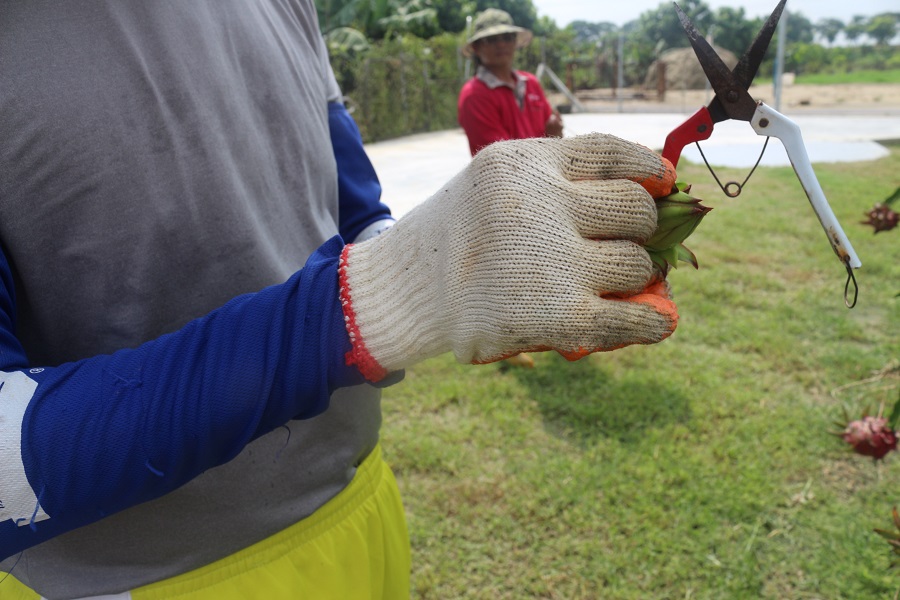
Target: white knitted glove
535,245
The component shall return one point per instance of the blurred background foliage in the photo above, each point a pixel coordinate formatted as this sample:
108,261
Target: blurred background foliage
400,65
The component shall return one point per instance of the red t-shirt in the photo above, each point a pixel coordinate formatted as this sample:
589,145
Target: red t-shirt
490,115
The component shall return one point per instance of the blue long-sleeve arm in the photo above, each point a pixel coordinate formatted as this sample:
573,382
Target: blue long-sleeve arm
105,433
359,191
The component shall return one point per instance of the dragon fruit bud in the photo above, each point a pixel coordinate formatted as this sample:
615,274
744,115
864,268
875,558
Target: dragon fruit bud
677,216
676,221
870,436
881,218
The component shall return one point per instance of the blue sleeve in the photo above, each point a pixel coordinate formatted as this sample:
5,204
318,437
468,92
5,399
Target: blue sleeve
105,433
359,191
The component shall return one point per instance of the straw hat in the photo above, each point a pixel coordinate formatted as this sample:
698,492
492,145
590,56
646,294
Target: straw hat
494,21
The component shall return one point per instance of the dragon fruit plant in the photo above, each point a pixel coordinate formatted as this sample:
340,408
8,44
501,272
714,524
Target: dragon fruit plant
893,538
677,216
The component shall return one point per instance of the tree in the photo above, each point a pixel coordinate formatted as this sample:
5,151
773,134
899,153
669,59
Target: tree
807,58
657,30
855,28
800,29
545,27
882,28
591,33
523,12
451,14
335,13
415,17
662,24
732,30
829,29
378,18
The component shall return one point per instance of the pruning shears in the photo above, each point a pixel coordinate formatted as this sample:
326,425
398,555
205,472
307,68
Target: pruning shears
732,101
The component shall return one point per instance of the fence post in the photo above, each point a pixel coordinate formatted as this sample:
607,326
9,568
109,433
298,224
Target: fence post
621,69
404,103
660,80
426,94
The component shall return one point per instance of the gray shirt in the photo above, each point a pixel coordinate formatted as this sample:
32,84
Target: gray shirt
158,158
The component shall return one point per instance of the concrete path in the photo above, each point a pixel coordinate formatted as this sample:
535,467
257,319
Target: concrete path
414,167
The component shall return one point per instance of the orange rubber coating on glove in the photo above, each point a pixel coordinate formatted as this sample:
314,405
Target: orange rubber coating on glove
660,185
657,295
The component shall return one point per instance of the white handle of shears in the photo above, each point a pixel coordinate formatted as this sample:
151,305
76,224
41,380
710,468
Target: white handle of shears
768,121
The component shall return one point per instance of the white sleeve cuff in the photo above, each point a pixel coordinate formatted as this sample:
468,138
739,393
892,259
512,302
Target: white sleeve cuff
374,229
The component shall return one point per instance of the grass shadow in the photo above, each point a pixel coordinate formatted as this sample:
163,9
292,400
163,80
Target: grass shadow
587,401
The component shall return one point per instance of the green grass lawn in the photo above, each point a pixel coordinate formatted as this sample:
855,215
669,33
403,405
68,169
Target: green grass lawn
853,77
701,467
867,76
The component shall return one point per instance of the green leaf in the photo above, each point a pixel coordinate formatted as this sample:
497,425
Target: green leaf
895,414
891,536
685,254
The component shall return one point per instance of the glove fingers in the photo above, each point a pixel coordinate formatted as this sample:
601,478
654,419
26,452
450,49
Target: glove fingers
602,156
617,209
645,318
612,267
606,324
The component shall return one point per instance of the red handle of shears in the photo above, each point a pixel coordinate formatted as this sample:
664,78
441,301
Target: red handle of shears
697,127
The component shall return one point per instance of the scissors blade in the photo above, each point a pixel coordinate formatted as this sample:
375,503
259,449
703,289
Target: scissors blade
736,103
749,63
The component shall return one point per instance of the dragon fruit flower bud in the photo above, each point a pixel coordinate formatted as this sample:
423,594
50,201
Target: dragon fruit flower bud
881,218
675,223
870,436
677,216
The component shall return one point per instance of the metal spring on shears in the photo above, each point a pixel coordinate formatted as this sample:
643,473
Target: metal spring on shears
738,187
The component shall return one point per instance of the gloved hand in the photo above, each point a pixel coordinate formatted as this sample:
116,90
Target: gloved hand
535,245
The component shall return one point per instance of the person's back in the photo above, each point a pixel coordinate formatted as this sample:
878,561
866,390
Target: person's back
154,165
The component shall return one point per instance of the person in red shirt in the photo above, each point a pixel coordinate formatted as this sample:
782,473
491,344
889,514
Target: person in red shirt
499,102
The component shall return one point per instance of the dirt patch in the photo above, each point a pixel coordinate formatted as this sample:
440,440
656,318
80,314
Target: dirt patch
871,96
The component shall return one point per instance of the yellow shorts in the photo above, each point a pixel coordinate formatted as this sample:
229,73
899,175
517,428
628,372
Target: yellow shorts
356,547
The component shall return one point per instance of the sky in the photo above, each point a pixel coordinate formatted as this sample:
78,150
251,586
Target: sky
620,12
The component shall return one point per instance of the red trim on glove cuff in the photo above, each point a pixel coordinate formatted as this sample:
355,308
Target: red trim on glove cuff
358,355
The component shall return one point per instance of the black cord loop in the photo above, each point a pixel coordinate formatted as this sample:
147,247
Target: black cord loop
850,277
